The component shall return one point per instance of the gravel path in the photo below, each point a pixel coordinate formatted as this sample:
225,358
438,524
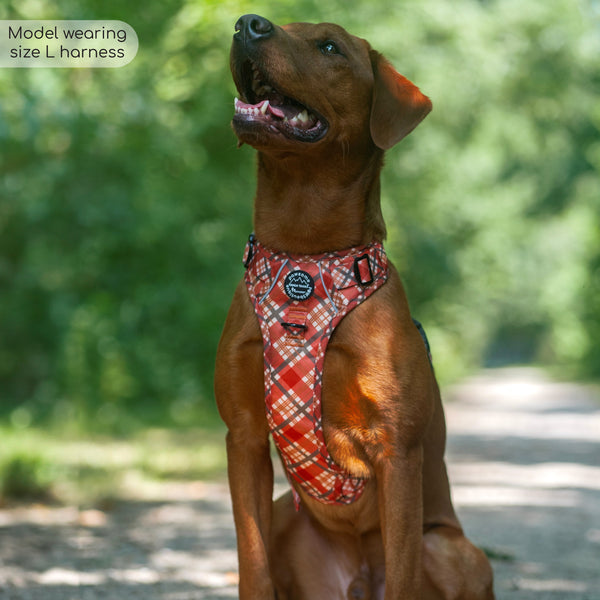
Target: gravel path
524,459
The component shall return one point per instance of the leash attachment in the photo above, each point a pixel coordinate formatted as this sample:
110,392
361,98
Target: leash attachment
294,327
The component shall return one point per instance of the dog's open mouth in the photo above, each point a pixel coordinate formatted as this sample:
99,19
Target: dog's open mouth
263,105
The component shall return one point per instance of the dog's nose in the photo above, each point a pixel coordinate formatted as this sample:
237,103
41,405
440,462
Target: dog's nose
253,28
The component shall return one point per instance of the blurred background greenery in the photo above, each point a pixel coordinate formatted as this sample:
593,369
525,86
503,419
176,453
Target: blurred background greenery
125,204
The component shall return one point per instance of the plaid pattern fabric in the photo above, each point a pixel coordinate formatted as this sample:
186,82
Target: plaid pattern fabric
295,335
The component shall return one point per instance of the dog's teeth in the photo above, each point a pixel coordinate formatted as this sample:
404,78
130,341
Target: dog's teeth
302,117
264,107
293,121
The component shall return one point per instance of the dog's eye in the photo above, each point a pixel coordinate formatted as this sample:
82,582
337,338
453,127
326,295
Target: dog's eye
329,48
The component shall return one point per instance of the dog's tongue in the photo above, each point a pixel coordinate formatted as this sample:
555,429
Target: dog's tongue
278,112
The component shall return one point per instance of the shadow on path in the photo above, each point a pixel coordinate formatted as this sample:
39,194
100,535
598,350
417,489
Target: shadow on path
182,548
524,461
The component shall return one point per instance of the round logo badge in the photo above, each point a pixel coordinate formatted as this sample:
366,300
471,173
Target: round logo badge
299,285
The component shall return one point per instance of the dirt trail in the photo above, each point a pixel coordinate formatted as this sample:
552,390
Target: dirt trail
524,459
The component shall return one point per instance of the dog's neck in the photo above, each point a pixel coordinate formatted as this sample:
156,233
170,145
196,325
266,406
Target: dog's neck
310,207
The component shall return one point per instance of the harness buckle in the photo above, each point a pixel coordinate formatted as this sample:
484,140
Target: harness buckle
363,271
294,328
250,250
295,325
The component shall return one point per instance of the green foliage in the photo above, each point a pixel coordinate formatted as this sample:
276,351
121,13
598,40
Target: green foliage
124,203
88,470
24,476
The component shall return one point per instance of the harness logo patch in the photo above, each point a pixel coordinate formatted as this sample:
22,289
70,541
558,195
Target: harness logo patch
299,285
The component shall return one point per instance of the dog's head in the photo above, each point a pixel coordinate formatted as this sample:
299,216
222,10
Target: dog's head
305,84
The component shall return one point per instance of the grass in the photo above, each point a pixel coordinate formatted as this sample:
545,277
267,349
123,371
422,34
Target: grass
43,466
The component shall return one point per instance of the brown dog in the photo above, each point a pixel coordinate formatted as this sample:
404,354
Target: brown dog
334,105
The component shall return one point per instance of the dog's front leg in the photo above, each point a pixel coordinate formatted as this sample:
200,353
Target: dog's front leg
399,480
251,482
239,390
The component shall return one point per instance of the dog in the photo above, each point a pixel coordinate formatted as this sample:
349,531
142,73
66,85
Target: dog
369,515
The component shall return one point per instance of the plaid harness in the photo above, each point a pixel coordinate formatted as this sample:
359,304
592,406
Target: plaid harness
299,300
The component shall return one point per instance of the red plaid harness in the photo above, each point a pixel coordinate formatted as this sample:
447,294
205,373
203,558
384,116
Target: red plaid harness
299,300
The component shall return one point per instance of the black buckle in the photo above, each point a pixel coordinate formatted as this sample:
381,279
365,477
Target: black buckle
294,328
357,274
249,254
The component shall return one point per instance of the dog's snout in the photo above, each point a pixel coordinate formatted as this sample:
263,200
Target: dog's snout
253,28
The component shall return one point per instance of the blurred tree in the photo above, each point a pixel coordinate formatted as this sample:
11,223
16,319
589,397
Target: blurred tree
124,203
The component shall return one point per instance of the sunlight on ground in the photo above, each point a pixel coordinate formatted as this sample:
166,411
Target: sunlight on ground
535,421
522,464
544,484
552,585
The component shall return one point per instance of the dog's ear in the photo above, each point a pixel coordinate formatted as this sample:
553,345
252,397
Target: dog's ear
398,105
